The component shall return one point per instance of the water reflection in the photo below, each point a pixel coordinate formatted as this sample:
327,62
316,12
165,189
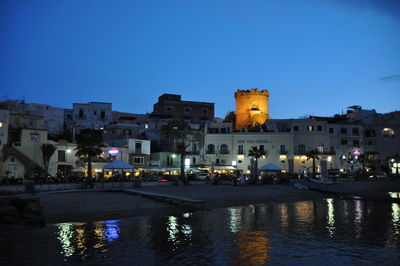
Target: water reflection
288,233
330,217
253,248
81,238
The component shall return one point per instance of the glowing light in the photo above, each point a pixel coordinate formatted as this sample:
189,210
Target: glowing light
187,162
240,157
68,150
357,153
329,158
234,163
113,151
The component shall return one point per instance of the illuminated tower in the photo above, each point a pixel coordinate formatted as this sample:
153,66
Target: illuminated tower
251,108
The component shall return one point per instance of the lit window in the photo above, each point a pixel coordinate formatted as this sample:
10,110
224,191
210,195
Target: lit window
310,128
388,133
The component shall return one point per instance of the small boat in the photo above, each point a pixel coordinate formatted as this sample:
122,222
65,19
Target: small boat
321,181
300,186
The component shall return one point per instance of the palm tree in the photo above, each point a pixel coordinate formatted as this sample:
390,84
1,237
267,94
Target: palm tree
256,153
181,149
313,155
47,151
89,143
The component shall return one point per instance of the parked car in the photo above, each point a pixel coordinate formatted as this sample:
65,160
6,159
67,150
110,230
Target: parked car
203,176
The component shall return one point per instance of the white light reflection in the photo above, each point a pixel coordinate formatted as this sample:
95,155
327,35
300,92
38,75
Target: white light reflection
358,214
396,218
172,228
234,220
330,217
65,236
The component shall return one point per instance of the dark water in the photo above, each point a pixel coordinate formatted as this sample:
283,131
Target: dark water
323,232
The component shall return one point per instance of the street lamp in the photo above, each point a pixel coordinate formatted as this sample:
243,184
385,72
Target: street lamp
67,151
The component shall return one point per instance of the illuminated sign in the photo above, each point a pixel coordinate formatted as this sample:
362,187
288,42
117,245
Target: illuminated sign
113,151
357,153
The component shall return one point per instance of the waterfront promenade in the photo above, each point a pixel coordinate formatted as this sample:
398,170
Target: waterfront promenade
95,205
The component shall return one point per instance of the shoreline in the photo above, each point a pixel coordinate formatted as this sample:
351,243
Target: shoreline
92,205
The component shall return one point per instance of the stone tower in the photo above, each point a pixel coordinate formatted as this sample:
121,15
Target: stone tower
251,108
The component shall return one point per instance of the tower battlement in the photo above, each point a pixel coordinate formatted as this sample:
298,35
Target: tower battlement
253,91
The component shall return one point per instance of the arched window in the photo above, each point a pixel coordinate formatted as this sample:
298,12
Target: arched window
388,133
301,149
224,149
211,149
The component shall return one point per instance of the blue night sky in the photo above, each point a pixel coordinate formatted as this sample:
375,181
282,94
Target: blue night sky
315,57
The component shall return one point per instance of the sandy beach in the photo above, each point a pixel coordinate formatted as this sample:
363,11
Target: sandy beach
96,206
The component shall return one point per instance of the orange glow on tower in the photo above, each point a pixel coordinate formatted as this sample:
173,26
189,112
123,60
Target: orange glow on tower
251,108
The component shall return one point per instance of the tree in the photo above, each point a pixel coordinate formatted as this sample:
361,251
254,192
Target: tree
89,143
47,151
313,155
230,117
256,153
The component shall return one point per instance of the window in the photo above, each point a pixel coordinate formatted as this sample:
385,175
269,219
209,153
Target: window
296,128
61,156
343,142
170,161
194,160
224,149
321,148
331,130
80,113
355,131
223,130
282,149
310,128
332,149
356,143
217,161
302,149
194,148
187,110
102,115
343,131
35,137
319,128
210,149
204,111
95,113
369,133
240,149
138,147
138,160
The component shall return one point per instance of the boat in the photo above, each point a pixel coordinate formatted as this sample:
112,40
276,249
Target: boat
321,181
300,186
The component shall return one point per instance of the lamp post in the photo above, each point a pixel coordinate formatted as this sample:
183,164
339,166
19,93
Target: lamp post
67,151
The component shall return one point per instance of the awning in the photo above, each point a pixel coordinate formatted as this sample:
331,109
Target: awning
79,169
118,164
270,167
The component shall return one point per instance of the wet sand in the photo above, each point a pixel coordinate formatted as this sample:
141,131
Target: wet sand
97,206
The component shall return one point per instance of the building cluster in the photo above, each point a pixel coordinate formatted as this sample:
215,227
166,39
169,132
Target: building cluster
359,139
